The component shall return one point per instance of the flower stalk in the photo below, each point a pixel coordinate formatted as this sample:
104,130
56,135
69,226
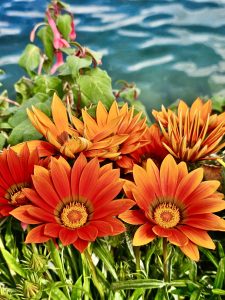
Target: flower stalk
96,282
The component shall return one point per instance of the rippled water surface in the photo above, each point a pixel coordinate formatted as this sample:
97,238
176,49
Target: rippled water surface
171,49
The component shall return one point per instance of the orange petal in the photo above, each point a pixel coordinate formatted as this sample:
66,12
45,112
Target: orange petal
59,114
206,222
162,232
143,235
168,176
134,217
22,214
104,228
198,236
37,235
80,245
88,232
114,208
52,229
76,172
191,250
67,236
117,226
189,183
177,238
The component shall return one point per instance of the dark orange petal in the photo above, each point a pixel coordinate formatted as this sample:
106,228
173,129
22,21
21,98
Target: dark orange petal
191,250
76,172
80,245
67,236
114,208
60,179
41,214
162,232
88,232
117,225
189,183
168,176
89,178
52,229
44,148
36,199
198,236
46,191
143,235
21,213
37,235
104,228
206,221
15,168
134,217
177,238
182,171
5,210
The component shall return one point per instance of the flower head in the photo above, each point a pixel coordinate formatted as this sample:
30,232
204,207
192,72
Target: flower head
73,204
124,128
174,204
60,134
15,175
193,133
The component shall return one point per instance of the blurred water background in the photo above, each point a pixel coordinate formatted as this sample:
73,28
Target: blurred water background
172,49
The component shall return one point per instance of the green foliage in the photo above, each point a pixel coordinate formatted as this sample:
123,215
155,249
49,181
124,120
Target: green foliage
30,58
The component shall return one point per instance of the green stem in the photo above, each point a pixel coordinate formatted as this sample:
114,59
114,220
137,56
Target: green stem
93,274
58,264
137,254
165,260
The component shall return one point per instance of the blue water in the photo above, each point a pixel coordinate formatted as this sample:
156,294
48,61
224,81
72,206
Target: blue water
172,49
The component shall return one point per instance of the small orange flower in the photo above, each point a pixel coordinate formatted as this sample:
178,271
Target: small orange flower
193,133
126,130
174,204
73,204
15,175
60,134
154,149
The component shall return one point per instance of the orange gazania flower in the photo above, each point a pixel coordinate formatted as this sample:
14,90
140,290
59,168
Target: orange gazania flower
174,204
154,149
73,204
193,133
70,141
128,131
58,133
15,175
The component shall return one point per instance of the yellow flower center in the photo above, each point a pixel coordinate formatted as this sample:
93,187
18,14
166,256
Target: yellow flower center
167,215
74,215
15,195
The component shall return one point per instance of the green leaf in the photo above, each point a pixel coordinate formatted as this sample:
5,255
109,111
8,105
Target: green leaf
137,294
220,275
95,85
12,263
23,132
24,89
138,283
2,140
196,295
218,292
57,294
103,253
64,25
77,289
46,36
20,115
73,65
30,58
48,85
210,256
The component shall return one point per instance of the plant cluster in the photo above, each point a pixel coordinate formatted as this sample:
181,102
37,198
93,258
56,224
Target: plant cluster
97,202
